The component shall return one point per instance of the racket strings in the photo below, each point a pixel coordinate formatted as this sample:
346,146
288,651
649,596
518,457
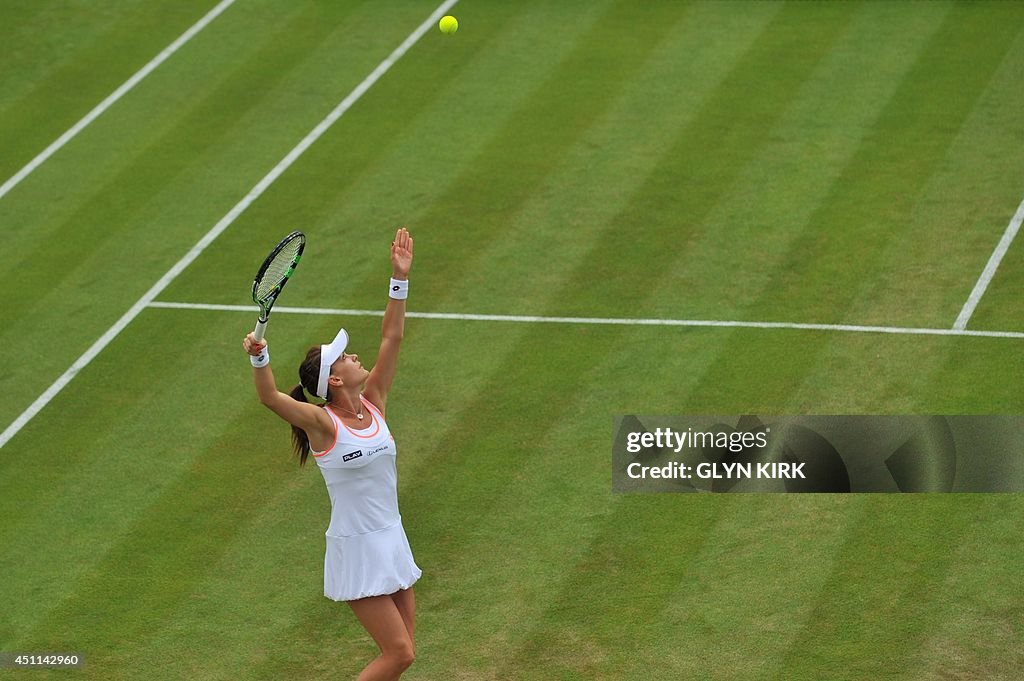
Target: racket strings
278,270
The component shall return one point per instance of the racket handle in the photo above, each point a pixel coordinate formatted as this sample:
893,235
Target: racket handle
261,328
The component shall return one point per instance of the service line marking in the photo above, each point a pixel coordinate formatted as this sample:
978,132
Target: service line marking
990,269
112,98
704,323
223,224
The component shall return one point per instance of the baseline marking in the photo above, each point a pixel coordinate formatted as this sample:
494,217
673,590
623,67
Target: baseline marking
705,323
990,269
113,97
223,224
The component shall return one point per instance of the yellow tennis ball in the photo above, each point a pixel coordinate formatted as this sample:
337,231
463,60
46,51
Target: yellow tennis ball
448,24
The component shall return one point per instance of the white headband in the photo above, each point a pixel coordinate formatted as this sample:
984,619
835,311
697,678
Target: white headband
329,354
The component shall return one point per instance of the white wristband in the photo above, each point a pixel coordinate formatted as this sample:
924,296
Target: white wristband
261,360
399,289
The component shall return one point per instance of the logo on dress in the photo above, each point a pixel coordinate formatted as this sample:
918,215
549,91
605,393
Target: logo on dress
352,455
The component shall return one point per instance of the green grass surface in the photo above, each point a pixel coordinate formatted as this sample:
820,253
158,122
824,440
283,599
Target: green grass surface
833,163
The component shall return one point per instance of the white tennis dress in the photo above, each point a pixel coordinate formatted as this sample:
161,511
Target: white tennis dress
368,553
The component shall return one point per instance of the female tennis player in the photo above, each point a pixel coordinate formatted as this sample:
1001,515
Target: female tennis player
368,562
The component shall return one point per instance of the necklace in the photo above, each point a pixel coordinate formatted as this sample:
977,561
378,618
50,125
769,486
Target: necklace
359,415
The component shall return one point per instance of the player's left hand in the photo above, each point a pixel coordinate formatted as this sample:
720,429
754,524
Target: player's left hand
401,254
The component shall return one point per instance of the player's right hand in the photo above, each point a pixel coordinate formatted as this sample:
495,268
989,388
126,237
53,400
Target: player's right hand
251,346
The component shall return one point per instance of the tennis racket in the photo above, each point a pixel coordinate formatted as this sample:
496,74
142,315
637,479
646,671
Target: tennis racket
274,274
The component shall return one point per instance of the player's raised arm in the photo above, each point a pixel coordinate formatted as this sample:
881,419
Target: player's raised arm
299,414
393,328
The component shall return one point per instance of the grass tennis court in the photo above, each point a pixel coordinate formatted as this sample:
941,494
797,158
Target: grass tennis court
833,163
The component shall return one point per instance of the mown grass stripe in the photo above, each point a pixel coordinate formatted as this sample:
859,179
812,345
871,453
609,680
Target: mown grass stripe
885,590
982,618
750,587
612,592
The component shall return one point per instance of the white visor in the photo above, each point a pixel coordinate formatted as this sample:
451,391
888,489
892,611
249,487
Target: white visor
329,354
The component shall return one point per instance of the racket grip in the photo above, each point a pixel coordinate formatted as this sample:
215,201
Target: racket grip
261,328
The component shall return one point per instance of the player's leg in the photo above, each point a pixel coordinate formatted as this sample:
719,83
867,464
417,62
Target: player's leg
405,601
381,618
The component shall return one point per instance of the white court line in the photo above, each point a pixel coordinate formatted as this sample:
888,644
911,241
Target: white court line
223,224
990,269
116,95
601,320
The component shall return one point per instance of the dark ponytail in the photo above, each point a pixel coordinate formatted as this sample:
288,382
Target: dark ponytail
309,375
300,441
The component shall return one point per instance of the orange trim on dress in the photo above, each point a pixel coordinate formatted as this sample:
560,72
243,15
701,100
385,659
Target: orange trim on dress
335,421
356,432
